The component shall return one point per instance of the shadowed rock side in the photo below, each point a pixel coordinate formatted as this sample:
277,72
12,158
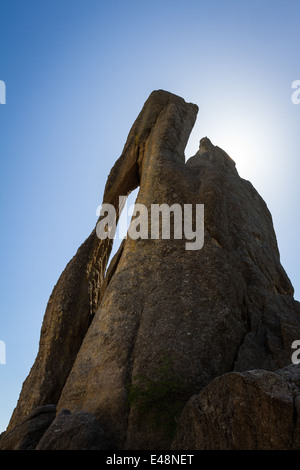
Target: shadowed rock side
132,348
255,410
77,294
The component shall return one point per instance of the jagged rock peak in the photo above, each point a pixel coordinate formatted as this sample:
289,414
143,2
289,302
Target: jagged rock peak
213,153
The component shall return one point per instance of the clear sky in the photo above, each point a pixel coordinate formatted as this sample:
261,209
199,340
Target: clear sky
77,73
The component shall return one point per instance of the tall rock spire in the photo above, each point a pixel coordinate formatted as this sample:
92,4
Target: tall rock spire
192,314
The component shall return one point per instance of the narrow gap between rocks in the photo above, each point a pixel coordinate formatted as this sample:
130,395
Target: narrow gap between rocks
126,214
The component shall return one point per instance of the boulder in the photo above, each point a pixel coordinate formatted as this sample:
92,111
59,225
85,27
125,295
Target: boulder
27,434
77,431
254,410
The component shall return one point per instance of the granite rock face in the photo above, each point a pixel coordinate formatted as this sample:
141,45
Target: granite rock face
77,431
254,410
132,346
28,433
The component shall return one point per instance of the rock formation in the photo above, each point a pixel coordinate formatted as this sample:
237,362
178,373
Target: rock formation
257,409
167,329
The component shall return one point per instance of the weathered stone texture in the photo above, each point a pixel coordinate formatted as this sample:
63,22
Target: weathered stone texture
255,410
26,435
77,431
226,308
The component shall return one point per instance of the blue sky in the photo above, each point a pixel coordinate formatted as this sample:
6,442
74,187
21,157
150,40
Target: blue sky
77,73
